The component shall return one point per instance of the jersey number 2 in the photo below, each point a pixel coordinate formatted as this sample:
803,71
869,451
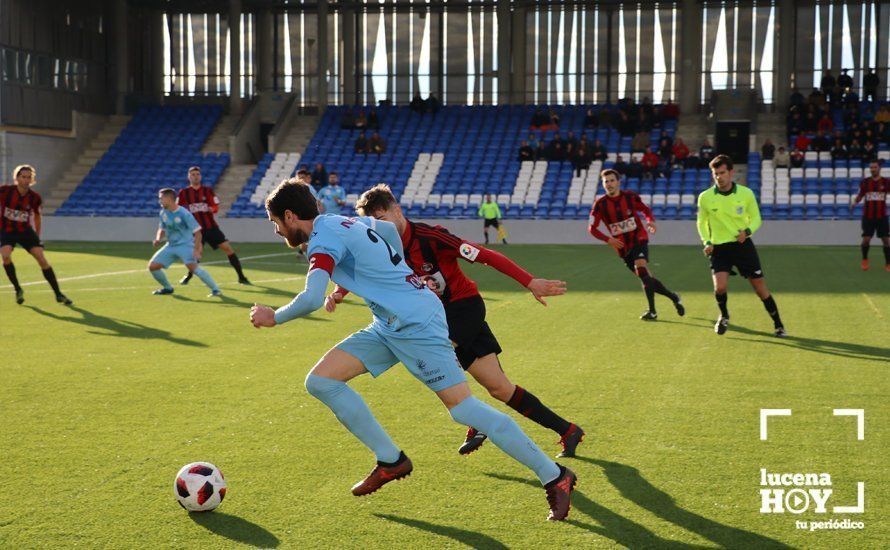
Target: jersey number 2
376,238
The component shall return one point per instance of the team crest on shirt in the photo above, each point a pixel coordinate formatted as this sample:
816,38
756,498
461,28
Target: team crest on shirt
427,267
469,251
740,210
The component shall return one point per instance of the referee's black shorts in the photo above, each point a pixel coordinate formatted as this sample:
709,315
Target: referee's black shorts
741,256
492,222
467,328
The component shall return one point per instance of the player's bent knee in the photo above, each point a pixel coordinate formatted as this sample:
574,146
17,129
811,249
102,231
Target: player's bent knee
152,266
321,387
502,392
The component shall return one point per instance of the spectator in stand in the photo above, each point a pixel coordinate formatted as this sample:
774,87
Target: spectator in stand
361,122
376,144
623,124
845,81
332,196
533,141
539,120
828,83
870,85
556,152
854,151
606,118
869,152
825,124
557,140
705,153
650,163
620,166
883,114
810,122
432,104
839,151
586,144
797,99
680,152
665,150
782,158
571,143
821,143
796,159
590,120
670,111
319,176
851,98
347,119
580,159
768,151
795,124
634,167
418,105
599,151
816,99
802,143
540,151
639,142
526,152
361,143
373,120
554,119
665,136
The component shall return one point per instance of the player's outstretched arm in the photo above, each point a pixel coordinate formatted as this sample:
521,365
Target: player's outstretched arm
546,287
311,299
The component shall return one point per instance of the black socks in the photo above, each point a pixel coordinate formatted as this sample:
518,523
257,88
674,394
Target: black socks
721,303
531,407
236,264
864,248
10,272
50,276
773,310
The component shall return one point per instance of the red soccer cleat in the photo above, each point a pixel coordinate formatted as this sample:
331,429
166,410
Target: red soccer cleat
864,265
559,494
570,441
381,475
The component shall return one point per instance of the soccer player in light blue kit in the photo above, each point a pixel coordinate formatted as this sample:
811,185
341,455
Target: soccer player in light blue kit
332,196
183,241
365,256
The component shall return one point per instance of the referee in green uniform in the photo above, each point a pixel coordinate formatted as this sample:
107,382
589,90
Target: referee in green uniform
491,213
727,218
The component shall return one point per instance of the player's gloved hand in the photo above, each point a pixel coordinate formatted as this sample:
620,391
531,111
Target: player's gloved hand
708,250
546,287
615,243
262,316
651,226
330,303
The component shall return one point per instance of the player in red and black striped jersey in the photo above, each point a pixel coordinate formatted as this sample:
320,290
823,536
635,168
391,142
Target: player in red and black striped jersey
20,224
203,203
432,252
618,210
874,190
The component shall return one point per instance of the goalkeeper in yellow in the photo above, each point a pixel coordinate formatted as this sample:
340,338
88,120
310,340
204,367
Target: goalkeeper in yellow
491,213
728,216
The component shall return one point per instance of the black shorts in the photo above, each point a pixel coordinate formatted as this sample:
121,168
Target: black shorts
492,222
880,226
467,328
742,256
213,236
26,240
639,251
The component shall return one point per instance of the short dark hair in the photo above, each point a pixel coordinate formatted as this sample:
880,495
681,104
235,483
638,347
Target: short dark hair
375,199
610,172
22,167
194,169
294,195
167,192
720,160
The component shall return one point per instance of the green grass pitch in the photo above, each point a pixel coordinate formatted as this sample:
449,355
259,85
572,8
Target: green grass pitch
101,403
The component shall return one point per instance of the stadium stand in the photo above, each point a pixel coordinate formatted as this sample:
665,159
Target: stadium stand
153,151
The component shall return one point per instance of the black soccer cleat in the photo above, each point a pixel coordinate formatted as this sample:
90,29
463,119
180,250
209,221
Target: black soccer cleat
559,494
20,296
474,440
244,281
185,280
649,316
678,303
570,441
62,299
163,291
780,332
721,325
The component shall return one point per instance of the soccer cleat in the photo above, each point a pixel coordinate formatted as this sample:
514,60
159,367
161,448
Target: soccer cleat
244,281
649,316
721,325
887,267
20,296
381,475
780,332
864,264
215,294
474,440
62,299
559,494
678,303
163,291
185,280
570,441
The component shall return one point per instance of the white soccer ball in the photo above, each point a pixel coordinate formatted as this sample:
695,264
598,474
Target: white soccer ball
199,487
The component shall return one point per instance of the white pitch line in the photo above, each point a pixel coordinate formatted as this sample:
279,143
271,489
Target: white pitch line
144,287
131,271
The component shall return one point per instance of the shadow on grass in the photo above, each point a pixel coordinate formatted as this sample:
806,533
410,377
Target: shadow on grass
635,488
816,345
469,538
237,529
115,327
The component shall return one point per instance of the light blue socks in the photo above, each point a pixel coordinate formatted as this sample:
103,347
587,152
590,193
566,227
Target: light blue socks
161,277
206,278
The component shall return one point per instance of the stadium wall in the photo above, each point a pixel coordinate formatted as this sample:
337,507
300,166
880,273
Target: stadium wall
674,232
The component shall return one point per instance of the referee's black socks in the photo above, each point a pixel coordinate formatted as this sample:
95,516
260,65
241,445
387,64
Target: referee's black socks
773,310
10,272
50,277
721,303
236,264
531,407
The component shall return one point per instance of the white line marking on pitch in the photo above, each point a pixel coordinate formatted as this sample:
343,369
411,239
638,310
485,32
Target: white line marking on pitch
131,271
115,288
872,305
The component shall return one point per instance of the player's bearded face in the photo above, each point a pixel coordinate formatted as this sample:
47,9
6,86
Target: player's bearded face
292,234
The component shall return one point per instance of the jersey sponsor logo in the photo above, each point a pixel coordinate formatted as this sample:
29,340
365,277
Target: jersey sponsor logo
876,196
624,226
469,252
435,282
198,207
740,210
178,220
16,215
427,267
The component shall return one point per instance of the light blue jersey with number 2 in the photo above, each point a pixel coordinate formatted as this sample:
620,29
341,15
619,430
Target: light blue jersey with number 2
369,262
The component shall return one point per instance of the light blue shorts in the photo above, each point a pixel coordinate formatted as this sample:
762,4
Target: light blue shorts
169,253
426,353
